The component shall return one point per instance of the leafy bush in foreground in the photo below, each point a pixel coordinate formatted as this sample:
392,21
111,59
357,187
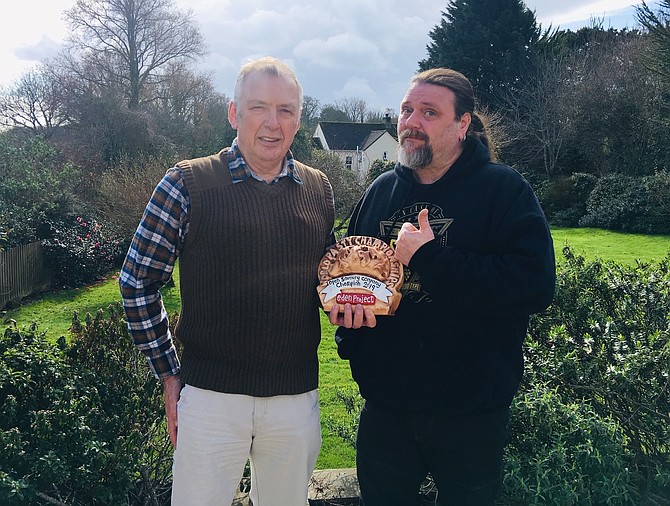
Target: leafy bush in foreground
605,343
80,424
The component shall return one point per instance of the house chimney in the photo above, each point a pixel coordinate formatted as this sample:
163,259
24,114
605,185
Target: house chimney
387,120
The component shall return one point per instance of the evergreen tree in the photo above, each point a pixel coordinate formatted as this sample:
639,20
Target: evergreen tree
658,25
490,41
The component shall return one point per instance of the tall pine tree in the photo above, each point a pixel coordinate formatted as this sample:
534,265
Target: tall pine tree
490,41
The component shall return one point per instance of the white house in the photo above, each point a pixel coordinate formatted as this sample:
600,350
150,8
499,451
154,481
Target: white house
358,144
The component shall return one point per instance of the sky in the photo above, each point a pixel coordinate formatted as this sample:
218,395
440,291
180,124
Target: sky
339,49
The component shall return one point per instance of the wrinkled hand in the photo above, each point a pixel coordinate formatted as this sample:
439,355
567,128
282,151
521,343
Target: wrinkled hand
171,391
353,317
410,239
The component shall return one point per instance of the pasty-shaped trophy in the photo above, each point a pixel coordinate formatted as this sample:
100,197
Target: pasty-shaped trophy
360,270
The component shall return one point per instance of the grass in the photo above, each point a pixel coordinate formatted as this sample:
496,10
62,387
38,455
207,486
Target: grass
53,313
619,247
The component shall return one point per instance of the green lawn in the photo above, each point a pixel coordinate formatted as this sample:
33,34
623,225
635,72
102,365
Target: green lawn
616,246
53,313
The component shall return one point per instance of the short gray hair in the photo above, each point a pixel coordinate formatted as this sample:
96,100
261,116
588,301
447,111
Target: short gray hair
270,66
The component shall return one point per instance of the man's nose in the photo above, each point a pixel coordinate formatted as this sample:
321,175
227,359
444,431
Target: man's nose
412,121
271,118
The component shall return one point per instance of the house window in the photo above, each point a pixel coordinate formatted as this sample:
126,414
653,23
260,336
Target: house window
385,156
348,162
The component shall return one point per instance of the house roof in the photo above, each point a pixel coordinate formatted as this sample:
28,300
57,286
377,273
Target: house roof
347,136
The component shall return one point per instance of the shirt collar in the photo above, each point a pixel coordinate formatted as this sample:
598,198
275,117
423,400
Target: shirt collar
240,171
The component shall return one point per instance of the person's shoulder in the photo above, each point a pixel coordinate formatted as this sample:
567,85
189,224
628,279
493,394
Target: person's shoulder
502,171
204,161
303,168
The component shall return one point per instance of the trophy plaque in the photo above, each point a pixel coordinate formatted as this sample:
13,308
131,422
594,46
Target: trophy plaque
360,270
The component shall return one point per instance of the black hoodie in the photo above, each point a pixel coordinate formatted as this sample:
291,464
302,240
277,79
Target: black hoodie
455,342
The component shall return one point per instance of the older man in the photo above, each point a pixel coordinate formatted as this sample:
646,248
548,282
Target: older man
439,376
249,226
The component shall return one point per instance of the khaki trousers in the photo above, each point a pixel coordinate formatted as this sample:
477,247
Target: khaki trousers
218,432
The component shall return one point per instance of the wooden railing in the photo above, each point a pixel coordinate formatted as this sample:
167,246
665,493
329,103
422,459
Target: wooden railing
23,271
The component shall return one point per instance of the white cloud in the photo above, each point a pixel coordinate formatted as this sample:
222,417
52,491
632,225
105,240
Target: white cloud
343,51
339,48
358,87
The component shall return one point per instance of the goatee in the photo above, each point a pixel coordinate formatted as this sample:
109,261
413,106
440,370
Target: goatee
416,158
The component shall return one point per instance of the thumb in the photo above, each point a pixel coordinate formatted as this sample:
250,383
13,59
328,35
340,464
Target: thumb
424,224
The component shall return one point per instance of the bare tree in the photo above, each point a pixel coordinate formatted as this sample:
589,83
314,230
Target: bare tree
311,109
33,102
356,109
127,43
539,114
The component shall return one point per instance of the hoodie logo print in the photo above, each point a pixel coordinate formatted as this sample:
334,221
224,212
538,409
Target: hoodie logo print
411,289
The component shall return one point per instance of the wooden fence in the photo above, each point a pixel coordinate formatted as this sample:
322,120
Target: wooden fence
23,271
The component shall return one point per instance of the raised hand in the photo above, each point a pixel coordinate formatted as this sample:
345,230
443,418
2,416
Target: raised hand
410,238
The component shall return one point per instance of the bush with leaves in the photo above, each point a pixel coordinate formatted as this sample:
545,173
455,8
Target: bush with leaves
80,423
605,343
346,186
629,204
82,251
36,186
564,453
377,168
564,199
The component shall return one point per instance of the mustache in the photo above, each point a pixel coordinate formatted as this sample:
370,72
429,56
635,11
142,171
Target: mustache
412,134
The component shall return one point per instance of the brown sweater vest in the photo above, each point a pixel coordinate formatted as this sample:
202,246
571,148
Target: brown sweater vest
248,274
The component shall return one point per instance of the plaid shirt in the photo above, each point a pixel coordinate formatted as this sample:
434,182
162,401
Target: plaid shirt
152,255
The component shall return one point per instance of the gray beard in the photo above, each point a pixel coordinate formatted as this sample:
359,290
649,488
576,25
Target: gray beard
417,158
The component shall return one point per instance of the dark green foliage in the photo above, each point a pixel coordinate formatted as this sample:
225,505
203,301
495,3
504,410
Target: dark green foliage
563,453
36,186
82,251
658,25
490,41
302,147
629,204
346,187
377,168
80,424
564,199
605,343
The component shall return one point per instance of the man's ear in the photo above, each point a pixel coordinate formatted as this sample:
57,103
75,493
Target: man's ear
466,119
232,114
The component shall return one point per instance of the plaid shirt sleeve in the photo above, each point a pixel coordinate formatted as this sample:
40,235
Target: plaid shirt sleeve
149,265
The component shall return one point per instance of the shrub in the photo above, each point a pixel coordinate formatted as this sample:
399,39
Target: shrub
377,168
564,198
346,187
629,204
124,190
82,251
36,186
605,343
563,453
80,424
